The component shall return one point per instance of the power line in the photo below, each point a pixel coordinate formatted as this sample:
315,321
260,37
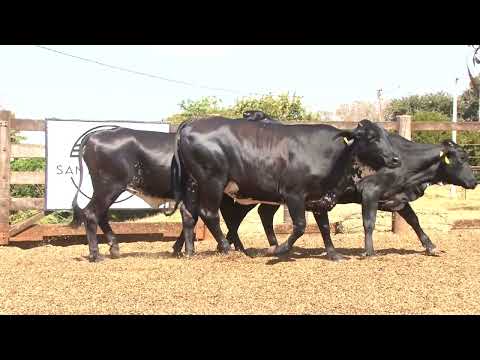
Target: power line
186,83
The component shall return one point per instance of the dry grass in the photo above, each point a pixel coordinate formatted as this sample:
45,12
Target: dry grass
147,280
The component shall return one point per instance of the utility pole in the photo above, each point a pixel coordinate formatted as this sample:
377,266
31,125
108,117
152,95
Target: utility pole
379,96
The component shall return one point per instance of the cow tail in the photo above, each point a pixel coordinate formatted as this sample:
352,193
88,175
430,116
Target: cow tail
78,216
176,173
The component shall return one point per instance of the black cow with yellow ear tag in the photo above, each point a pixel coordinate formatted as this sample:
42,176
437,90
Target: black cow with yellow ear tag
454,166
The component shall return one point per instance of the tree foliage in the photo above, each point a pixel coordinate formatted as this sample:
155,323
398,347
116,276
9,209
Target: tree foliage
25,164
439,102
283,107
468,104
476,54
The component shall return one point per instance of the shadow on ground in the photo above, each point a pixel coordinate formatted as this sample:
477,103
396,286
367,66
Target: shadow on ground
319,253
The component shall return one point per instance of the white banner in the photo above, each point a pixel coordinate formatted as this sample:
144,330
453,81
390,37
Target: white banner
63,138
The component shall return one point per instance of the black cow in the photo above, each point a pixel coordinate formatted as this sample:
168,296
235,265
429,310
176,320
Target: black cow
391,189
253,162
121,160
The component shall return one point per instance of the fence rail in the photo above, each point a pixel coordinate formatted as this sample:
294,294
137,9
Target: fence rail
29,230
22,232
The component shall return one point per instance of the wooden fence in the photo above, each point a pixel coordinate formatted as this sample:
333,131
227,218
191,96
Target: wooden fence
29,231
404,126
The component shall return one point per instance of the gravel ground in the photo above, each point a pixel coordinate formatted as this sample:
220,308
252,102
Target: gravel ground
148,280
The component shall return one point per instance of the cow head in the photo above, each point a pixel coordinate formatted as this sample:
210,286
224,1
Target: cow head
454,166
373,147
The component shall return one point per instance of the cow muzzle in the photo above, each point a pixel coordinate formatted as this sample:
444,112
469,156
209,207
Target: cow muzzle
471,184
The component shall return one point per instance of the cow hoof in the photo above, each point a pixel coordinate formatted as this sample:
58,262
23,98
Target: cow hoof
334,256
282,249
96,258
224,247
115,253
366,254
220,248
177,254
224,251
432,251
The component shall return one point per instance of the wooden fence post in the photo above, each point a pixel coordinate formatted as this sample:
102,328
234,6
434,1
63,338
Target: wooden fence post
399,225
5,118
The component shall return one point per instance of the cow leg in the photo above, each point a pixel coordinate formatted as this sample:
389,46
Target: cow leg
189,220
109,196
369,216
266,213
233,214
177,246
91,223
324,225
210,198
111,238
189,213
96,213
296,207
411,218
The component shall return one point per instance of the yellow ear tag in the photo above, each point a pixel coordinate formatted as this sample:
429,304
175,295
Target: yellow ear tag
346,140
447,161
441,153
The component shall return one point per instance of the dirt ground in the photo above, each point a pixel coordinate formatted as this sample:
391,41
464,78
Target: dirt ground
401,279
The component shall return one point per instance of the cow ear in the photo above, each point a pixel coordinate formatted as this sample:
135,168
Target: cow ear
348,142
358,132
444,157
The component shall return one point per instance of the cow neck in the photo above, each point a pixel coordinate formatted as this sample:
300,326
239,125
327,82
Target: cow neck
357,168
339,181
353,170
426,165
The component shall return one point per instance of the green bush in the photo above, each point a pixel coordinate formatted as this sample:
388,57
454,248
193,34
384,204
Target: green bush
27,165
439,102
282,107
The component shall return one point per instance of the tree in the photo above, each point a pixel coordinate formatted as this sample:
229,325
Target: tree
468,103
200,108
282,107
471,108
476,54
439,102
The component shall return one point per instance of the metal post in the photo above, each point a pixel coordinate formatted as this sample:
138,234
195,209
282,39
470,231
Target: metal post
379,95
5,118
399,225
454,132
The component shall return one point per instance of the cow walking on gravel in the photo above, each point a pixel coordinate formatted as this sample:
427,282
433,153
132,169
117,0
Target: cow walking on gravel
136,161
254,162
388,189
